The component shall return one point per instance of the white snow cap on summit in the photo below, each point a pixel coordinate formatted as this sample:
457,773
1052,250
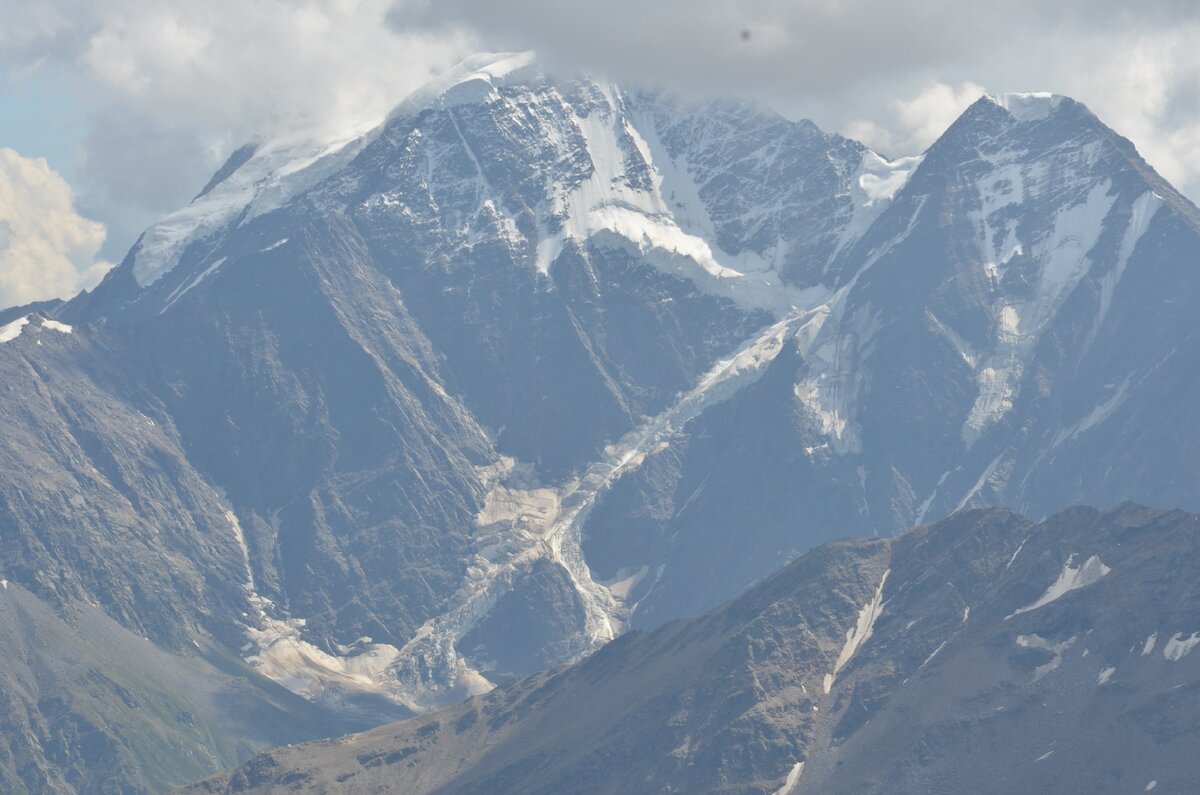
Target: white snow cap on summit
283,166
470,81
1028,105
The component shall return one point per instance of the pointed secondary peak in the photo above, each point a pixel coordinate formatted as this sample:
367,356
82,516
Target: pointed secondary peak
1019,114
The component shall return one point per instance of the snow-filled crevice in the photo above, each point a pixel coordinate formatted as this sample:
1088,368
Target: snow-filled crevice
1071,578
860,633
792,781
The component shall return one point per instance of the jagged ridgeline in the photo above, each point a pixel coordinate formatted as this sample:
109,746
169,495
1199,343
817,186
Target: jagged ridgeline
985,653
394,419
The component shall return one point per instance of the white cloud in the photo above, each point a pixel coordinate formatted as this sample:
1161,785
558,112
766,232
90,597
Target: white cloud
241,67
47,250
170,87
917,121
927,115
845,63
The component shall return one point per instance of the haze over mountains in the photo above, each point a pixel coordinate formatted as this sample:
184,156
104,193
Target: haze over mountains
543,359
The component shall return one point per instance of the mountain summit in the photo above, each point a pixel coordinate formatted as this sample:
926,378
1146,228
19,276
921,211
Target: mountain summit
667,180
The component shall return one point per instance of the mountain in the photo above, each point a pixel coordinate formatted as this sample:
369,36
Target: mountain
986,652
401,416
1013,329
340,414
89,706
394,373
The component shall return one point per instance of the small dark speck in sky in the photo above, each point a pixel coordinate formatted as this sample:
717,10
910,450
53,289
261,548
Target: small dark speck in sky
745,35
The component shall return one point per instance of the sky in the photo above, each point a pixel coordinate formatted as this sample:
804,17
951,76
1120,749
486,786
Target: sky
115,113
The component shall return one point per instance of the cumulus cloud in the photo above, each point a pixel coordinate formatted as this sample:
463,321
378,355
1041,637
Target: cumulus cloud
47,249
172,86
893,73
918,120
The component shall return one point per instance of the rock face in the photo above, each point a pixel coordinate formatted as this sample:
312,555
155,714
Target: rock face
398,418
986,652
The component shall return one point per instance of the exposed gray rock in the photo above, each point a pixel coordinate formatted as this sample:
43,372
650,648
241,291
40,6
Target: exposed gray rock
978,653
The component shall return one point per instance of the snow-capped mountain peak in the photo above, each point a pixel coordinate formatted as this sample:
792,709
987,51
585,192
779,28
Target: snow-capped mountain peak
498,149
266,174
271,173
472,80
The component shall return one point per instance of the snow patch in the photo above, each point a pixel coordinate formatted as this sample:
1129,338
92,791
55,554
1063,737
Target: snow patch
1150,644
1057,650
1028,105
1071,578
1105,675
963,348
673,237
279,170
860,633
875,184
793,779
1013,559
11,331
1178,646
988,471
239,539
932,654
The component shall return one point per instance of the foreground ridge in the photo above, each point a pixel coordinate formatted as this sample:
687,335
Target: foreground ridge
944,677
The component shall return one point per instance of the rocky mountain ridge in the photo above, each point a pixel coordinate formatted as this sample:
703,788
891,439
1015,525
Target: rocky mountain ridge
986,652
